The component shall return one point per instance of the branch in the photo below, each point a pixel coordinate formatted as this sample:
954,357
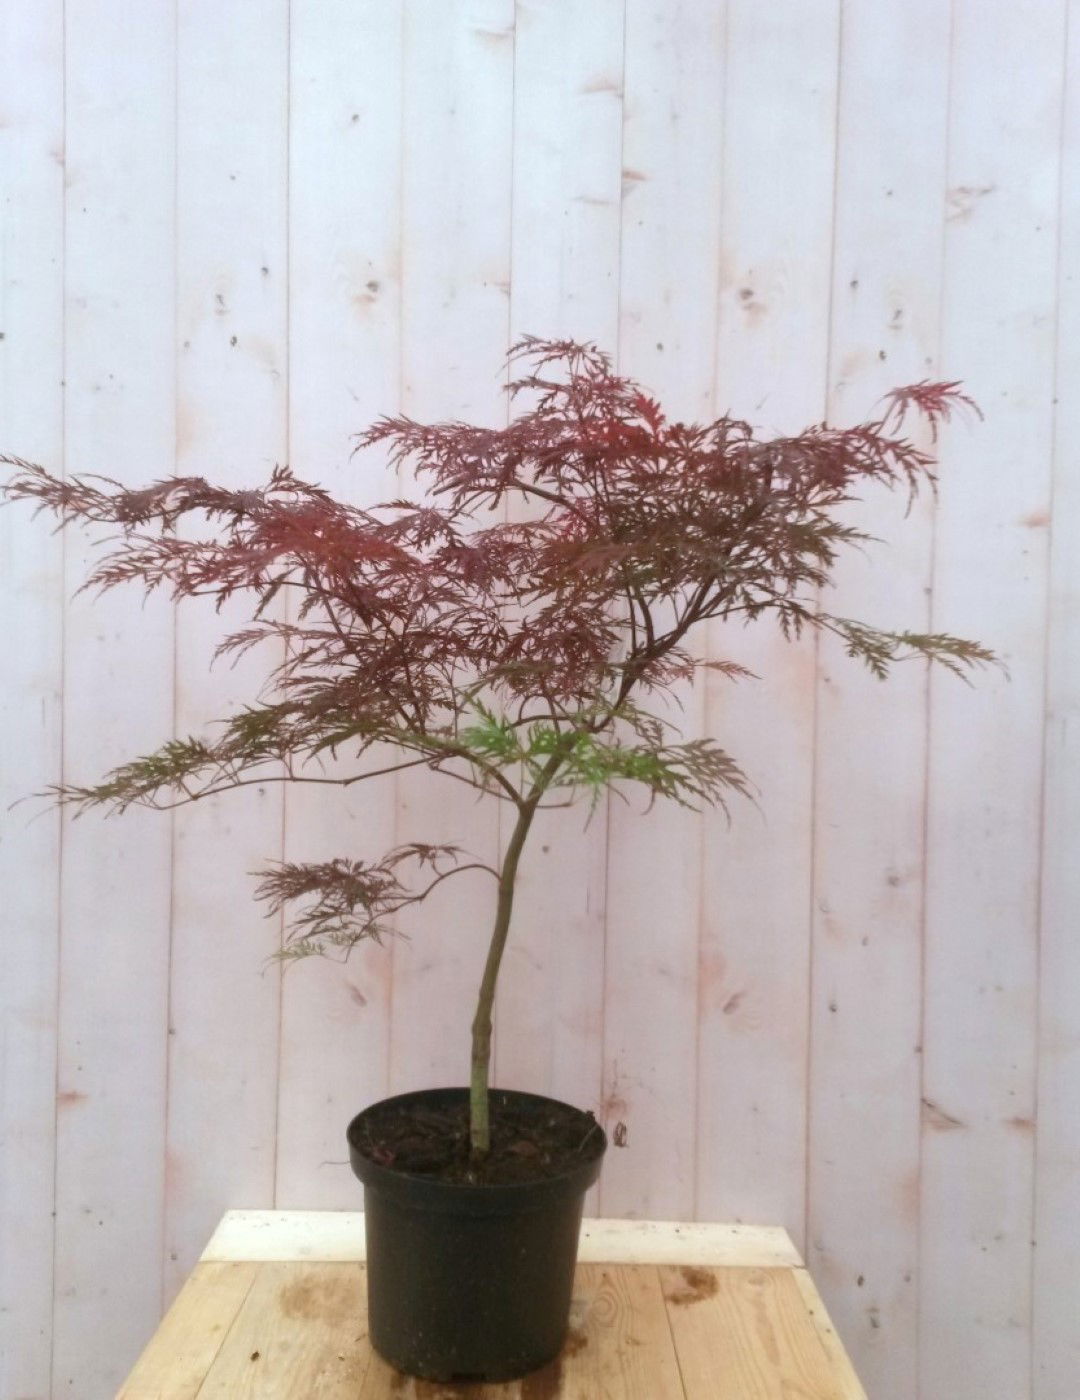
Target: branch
353,900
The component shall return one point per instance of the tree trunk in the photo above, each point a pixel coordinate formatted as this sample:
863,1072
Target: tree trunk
479,1117
479,1114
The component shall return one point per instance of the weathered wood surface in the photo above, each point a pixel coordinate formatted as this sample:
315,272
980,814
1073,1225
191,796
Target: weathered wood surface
119,415
865,1071
319,1236
31,409
841,1011
683,1324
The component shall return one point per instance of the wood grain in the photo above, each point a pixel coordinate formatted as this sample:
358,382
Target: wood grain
746,1333
637,1332
565,261
654,175
383,1382
984,810
338,1237
870,751
1056,1338
119,419
193,1331
753,995
344,274
667,330
231,348
457,159
301,1330
619,1344
31,615
851,1388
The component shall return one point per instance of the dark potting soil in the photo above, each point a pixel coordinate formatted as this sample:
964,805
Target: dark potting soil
529,1142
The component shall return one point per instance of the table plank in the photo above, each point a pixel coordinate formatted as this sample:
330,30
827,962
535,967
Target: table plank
746,1333
339,1236
749,1327
384,1383
301,1331
851,1388
181,1351
619,1343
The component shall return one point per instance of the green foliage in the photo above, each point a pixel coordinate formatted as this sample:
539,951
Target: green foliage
881,650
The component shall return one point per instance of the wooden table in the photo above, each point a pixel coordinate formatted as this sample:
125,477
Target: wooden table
275,1309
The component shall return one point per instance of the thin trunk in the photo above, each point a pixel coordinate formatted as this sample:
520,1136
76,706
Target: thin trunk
479,1113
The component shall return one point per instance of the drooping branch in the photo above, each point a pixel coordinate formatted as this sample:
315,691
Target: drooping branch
511,656
352,900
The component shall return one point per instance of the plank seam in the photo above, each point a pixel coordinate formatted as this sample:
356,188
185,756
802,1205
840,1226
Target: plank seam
62,726
287,429
173,848
605,883
815,697
227,1333
708,708
670,1328
928,713
1048,635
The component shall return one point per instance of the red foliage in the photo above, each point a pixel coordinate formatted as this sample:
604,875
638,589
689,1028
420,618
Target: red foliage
411,619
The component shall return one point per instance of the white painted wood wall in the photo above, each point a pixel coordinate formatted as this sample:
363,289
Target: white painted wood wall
232,235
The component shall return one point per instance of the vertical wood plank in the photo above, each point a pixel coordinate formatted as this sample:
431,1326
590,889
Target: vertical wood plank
778,174
865,1069
31,618
344,350
990,581
1056,1339
458,103
673,92
565,256
345,264
118,679
231,315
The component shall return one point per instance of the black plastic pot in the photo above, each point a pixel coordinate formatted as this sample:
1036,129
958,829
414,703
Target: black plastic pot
470,1282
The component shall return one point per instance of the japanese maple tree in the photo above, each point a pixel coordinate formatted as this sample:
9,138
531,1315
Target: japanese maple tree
518,656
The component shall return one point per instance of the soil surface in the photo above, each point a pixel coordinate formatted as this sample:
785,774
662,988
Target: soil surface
529,1142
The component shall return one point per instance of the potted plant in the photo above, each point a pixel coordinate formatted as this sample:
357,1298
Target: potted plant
518,656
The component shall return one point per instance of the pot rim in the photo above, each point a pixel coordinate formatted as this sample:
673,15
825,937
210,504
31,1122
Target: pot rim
577,1178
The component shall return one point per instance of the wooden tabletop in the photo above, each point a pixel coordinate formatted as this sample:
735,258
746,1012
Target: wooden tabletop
275,1310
